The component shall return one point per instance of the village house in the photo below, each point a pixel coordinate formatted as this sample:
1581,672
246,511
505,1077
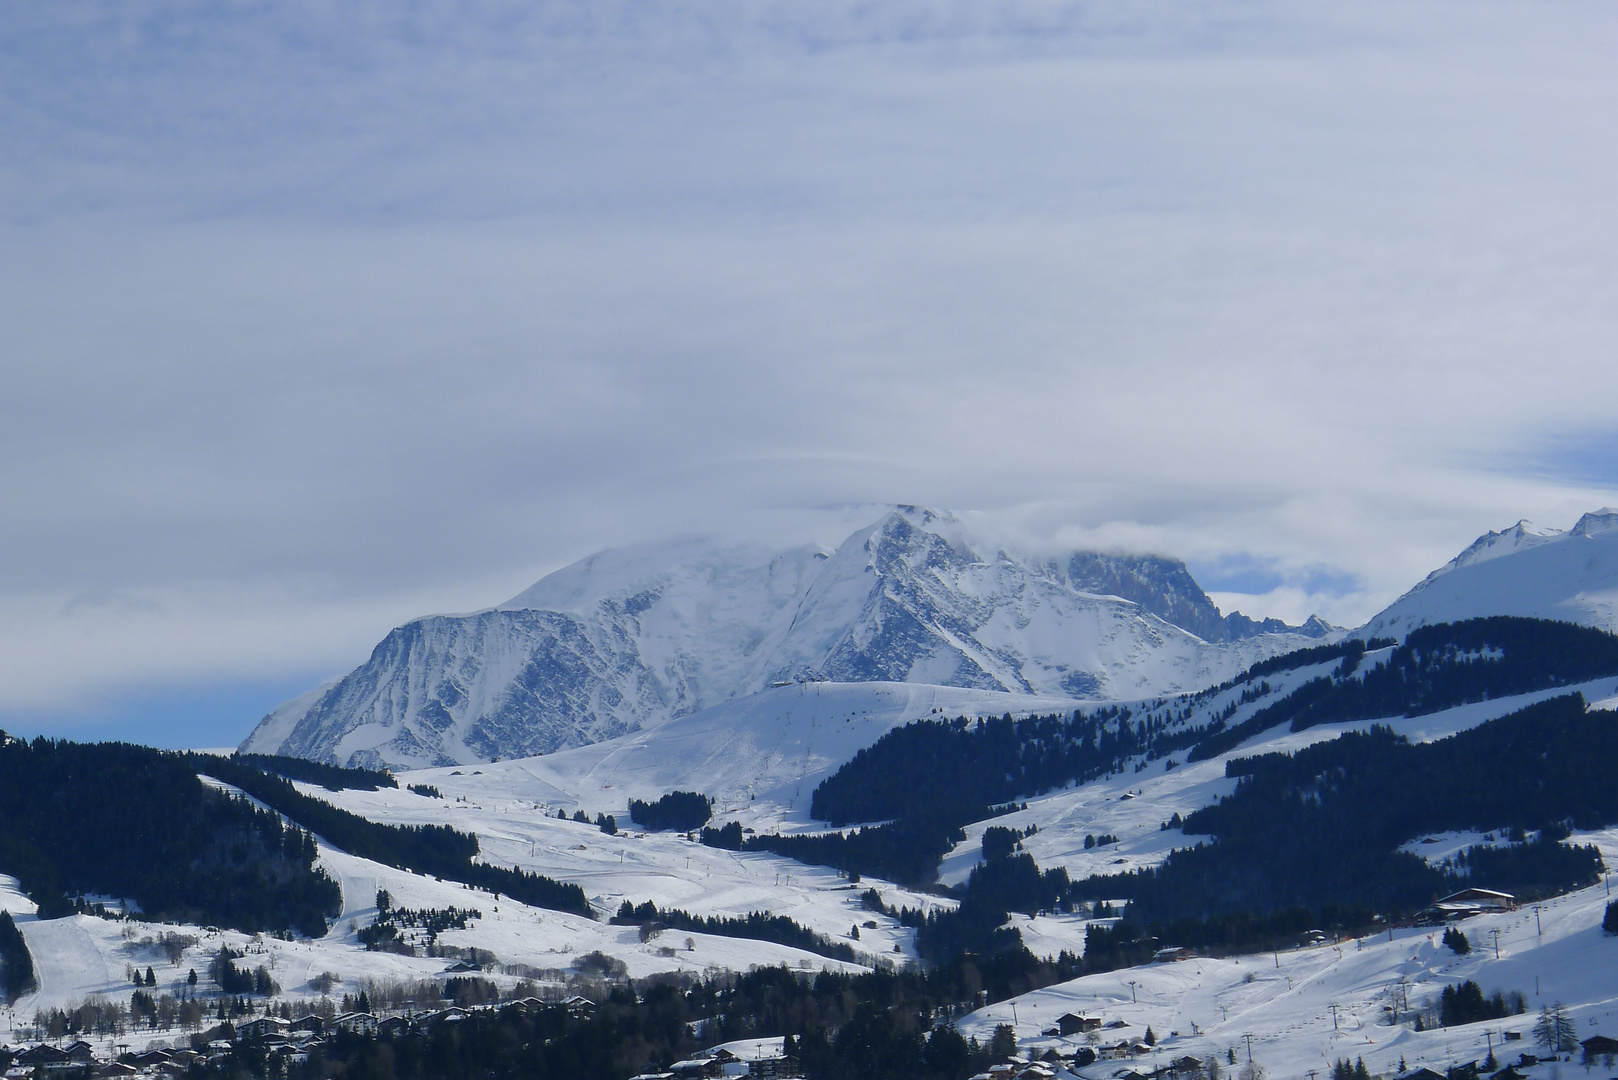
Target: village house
1469,902
263,1027
45,1058
580,1008
772,1067
1599,1046
1077,1024
356,1023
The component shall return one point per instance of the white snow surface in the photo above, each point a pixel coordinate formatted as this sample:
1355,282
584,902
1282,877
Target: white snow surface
760,756
82,956
1570,576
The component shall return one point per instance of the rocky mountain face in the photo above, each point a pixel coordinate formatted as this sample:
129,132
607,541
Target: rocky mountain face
628,638
1165,588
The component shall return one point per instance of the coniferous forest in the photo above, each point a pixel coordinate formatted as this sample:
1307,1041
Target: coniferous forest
683,810
1335,860
127,821
955,769
1323,825
756,925
16,965
136,823
330,777
427,849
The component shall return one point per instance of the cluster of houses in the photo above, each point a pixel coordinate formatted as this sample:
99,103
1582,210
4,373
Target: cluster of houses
1055,1065
1119,1048
1597,1048
78,1057
766,1062
296,1039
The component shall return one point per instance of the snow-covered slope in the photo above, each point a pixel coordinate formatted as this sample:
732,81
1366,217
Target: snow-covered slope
1305,1008
760,756
627,639
1571,576
82,957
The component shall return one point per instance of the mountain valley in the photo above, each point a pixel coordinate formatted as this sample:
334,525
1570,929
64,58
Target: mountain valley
1009,775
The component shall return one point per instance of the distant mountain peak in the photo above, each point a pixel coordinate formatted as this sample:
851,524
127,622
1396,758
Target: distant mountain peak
1596,522
1523,570
636,636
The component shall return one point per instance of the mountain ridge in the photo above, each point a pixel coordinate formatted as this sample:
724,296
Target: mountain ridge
631,637
1524,570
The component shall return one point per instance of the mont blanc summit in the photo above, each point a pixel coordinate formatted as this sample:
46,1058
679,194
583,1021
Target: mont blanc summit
634,637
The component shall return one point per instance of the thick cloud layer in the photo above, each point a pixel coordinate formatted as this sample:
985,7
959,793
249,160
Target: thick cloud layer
316,319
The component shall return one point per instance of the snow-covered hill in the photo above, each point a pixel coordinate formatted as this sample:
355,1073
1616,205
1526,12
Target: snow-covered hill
759,756
629,639
1570,576
1305,1008
763,755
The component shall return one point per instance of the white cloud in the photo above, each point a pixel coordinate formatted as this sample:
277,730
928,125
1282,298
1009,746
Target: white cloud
312,320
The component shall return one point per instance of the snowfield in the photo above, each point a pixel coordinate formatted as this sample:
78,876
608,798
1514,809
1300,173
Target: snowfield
84,956
759,757
1538,573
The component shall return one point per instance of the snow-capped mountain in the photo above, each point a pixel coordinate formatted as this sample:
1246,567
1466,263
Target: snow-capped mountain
1570,576
634,637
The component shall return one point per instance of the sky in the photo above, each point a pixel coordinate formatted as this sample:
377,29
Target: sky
316,318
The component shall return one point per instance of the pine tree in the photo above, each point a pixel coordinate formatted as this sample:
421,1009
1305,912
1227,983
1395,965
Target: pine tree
1609,922
151,976
1566,1037
1554,1029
